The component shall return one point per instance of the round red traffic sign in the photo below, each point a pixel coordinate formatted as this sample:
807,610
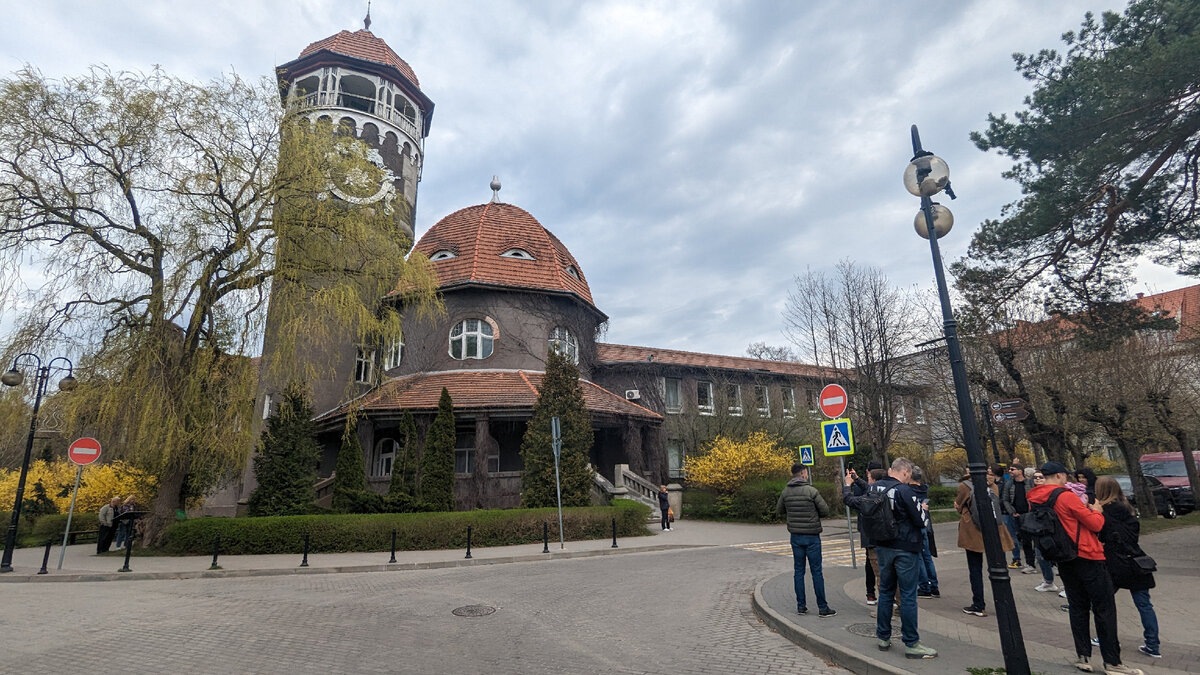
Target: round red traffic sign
833,401
84,451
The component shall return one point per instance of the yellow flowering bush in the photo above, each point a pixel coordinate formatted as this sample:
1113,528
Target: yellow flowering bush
100,483
725,464
1102,465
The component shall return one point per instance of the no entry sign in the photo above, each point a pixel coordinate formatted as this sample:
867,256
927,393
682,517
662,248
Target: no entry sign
833,401
84,451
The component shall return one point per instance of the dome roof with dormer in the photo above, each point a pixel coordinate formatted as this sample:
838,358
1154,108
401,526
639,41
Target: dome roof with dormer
497,244
362,44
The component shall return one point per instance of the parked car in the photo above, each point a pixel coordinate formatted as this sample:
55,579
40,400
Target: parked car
1168,468
1163,501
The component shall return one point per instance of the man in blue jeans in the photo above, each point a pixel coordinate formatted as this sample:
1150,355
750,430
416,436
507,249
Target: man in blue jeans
805,508
899,561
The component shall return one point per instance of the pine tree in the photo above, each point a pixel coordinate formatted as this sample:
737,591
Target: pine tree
404,466
559,396
350,474
437,462
286,464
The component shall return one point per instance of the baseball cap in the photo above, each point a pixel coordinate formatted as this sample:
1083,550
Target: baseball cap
1051,468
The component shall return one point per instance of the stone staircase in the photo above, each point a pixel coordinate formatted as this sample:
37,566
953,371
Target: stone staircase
629,485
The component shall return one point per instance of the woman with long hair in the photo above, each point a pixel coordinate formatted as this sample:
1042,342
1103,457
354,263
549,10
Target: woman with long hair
1120,539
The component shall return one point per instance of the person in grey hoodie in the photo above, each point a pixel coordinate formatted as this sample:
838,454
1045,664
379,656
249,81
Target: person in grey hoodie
805,508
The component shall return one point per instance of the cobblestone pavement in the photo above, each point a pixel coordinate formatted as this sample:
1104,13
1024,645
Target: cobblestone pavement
675,612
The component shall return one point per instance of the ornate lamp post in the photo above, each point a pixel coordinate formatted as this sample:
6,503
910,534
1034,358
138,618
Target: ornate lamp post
14,378
925,176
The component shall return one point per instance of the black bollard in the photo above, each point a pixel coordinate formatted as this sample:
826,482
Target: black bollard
46,558
614,533
216,552
128,550
545,538
304,562
394,547
468,541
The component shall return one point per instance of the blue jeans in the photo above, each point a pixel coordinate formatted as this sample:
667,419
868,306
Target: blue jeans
1149,620
897,569
1046,566
1011,523
808,547
928,573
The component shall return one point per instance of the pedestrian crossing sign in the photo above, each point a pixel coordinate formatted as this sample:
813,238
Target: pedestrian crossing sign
839,438
806,455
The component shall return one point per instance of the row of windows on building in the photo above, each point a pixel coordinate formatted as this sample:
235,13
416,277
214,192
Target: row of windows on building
383,457
469,339
706,402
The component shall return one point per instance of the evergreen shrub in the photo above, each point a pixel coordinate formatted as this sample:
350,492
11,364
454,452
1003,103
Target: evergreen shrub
414,531
437,460
941,497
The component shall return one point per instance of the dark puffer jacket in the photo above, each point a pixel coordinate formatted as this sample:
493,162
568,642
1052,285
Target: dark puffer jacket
804,506
1120,538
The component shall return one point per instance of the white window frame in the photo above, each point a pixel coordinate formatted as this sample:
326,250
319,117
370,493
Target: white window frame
394,354
364,365
564,343
733,392
901,414
443,254
383,459
918,410
788,396
518,253
705,409
678,385
484,335
764,410
266,406
467,453
675,463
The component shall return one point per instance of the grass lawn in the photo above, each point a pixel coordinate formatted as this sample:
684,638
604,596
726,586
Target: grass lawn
1161,524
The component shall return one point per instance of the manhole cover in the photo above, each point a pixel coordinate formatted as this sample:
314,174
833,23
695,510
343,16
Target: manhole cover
474,610
862,629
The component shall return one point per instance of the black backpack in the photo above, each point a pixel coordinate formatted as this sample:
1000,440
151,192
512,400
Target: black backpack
878,521
1042,526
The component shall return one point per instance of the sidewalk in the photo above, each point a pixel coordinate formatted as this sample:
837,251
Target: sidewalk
82,564
964,641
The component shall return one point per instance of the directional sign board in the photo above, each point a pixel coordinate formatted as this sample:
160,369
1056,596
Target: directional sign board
1007,404
806,455
833,400
1010,415
84,451
838,436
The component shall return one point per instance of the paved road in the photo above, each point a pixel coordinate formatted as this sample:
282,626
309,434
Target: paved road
678,612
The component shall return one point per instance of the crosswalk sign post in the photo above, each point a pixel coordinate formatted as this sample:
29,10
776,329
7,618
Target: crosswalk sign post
838,437
806,455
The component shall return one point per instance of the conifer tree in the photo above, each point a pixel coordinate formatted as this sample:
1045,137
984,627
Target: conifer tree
286,464
350,473
437,462
559,396
404,466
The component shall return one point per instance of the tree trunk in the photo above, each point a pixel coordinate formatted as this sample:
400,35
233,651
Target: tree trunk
1133,464
169,498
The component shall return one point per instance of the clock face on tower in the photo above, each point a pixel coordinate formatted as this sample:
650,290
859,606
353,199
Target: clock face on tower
359,175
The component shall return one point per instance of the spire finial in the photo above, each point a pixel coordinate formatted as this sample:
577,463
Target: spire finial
367,19
495,185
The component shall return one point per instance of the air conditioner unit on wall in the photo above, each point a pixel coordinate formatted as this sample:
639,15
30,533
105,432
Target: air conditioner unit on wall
632,394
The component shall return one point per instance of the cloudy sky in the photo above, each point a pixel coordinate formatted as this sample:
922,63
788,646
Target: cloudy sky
694,156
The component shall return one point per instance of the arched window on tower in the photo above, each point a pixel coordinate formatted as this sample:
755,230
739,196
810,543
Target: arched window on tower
471,339
562,342
357,92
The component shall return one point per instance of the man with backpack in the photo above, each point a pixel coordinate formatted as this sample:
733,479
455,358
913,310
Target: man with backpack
852,493
1065,533
805,507
894,520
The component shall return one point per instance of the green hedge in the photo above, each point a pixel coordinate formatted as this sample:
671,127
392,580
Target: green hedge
753,503
941,496
47,527
414,531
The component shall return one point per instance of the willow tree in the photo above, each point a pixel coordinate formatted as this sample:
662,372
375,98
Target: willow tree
141,217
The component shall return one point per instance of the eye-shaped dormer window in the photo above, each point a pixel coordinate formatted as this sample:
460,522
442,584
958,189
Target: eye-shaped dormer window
443,254
518,253
573,272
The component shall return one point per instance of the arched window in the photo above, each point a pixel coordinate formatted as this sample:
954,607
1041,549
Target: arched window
393,354
383,457
471,339
562,342
573,272
443,254
518,253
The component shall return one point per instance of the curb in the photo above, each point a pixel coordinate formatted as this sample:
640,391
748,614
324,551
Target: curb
824,648
343,569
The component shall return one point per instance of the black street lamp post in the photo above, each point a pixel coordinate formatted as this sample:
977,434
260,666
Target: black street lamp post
13,378
925,176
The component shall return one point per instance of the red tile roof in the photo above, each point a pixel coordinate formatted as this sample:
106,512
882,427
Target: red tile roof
477,235
611,354
362,44
1181,304
494,390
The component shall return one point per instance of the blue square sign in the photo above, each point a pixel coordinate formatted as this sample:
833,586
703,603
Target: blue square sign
806,455
838,437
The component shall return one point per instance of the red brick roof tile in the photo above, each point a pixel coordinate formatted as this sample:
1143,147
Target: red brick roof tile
478,235
494,390
362,44
611,354
1181,304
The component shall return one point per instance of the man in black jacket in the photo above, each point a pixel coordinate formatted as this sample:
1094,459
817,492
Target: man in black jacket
852,491
805,507
899,558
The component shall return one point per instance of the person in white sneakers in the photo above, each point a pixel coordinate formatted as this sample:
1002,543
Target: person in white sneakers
664,505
